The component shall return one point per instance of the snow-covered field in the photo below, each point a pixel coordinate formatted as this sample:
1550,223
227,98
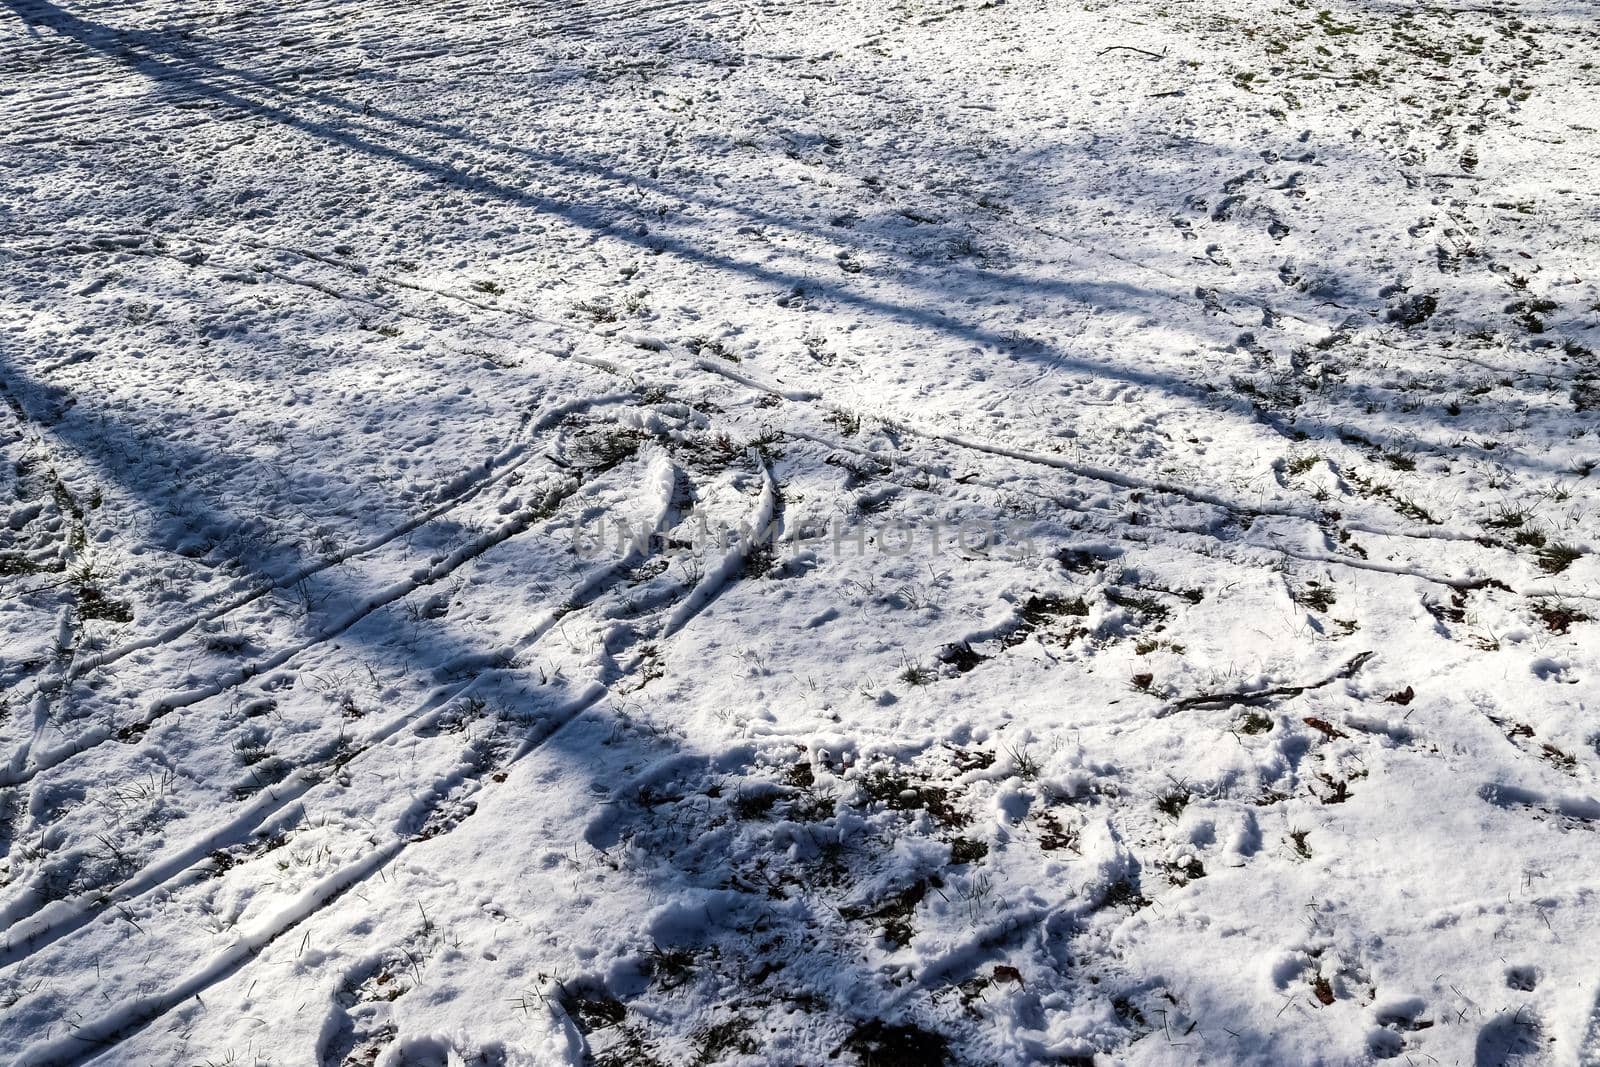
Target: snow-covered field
344,342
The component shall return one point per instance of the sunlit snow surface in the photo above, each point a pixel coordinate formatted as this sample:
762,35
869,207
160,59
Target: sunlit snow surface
338,339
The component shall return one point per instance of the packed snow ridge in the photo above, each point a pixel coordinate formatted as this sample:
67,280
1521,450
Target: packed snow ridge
882,532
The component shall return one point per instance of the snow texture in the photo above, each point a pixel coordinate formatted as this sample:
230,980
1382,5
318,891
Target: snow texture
342,340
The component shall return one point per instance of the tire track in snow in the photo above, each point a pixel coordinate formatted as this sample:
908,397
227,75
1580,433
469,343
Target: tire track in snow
19,771
97,1036
163,706
28,934
126,1019
728,567
452,495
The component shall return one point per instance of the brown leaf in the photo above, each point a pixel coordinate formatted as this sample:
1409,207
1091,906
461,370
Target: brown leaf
1325,728
1402,698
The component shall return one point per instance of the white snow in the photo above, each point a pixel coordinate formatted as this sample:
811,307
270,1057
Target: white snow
1183,422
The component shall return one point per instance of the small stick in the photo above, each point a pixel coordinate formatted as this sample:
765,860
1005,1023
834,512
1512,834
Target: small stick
1353,664
1130,48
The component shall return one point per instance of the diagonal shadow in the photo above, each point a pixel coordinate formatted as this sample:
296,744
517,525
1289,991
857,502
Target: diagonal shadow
153,57
179,68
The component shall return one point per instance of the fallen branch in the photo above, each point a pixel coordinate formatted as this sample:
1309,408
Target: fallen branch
1130,48
1257,696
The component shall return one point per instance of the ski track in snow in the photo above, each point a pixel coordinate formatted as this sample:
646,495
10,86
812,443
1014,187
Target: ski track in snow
335,330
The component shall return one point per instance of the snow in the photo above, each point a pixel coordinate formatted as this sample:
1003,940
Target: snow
1182,420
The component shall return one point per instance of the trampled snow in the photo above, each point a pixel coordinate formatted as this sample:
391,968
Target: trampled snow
736,532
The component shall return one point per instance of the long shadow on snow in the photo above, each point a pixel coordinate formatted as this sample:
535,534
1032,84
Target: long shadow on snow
156,57
152,56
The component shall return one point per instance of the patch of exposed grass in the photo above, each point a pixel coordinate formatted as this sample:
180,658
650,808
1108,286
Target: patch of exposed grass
1255,723
1316,596
1553,559
1559,617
